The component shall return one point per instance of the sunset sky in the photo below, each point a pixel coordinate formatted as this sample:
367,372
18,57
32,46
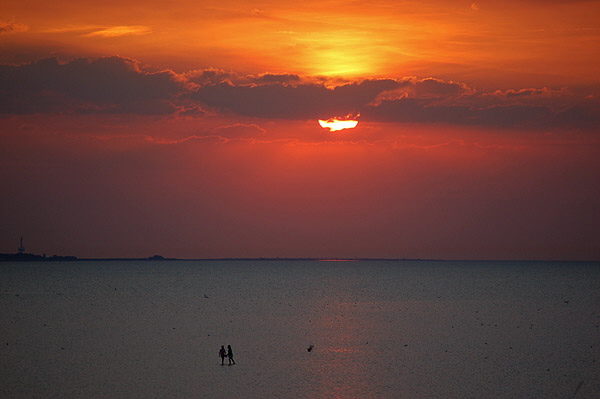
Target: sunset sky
190,128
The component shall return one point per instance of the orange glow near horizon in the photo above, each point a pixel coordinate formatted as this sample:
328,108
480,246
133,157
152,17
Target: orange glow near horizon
335,124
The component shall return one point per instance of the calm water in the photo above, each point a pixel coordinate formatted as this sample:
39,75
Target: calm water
380,329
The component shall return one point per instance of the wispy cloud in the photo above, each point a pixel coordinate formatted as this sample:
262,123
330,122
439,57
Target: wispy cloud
124,30
102,30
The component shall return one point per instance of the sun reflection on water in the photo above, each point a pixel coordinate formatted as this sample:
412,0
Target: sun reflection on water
341,352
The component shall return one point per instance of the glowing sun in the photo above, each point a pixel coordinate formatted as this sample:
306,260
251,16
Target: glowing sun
335,124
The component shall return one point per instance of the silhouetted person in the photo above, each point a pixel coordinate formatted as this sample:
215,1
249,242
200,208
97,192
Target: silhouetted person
230,355
222,354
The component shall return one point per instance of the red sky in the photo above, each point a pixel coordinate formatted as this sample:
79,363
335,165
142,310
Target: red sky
189,129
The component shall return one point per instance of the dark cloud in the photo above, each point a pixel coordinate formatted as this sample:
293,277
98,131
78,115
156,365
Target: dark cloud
408,100
287,78
419,111
265,101
120,85
302,101
434,101
582,116
431,87
112,84
413,110
209,76
513,116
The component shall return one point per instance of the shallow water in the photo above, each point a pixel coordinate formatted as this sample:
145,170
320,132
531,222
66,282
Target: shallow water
380,329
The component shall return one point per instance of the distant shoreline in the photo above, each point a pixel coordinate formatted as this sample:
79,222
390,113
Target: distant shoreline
23,257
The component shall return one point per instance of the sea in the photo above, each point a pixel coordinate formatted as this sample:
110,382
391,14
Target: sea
375,329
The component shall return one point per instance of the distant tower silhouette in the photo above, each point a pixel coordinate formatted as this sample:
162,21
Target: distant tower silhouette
21,248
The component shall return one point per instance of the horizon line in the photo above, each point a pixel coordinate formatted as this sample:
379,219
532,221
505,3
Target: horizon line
35,257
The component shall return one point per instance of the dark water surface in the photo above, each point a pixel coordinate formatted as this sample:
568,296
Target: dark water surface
380,329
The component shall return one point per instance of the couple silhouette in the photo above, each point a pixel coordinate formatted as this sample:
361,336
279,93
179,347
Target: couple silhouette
229,354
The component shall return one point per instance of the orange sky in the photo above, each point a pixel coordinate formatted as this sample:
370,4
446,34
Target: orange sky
486,42
190,128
